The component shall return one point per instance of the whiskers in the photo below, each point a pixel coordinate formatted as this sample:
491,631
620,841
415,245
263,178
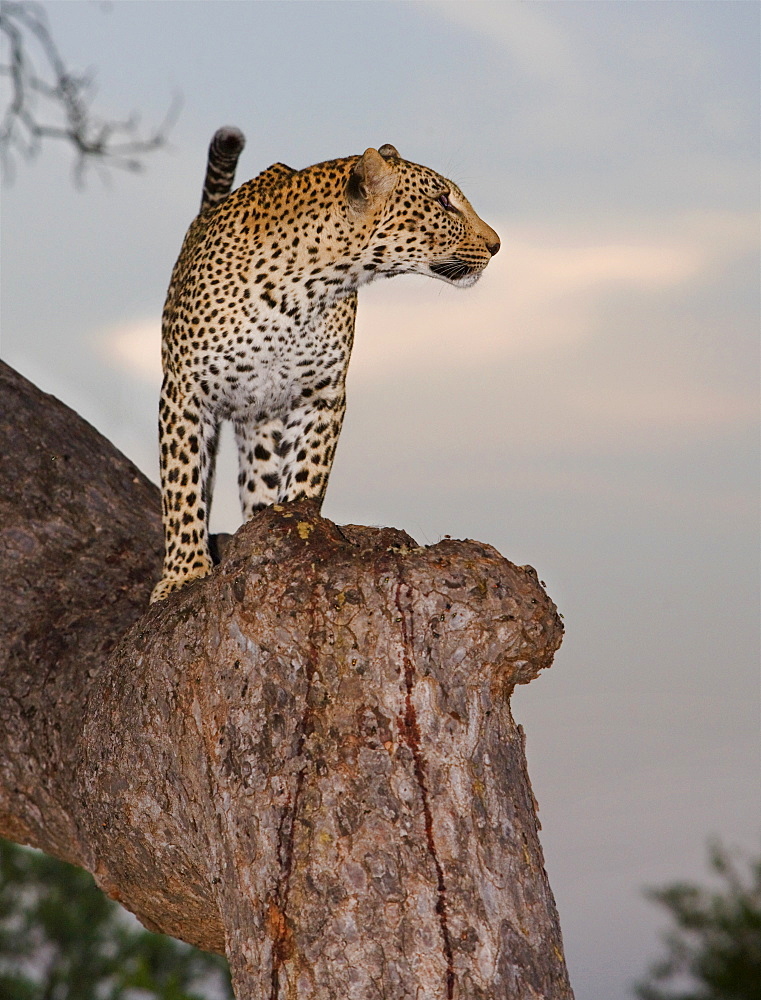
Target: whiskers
456,270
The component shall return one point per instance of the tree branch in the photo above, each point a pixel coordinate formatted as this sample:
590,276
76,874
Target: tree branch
66,96
306,760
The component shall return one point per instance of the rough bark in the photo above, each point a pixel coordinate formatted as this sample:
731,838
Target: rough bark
307,760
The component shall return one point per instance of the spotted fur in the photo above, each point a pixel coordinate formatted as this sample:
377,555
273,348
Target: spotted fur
259,322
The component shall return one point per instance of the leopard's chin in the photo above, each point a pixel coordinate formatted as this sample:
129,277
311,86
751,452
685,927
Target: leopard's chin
469,280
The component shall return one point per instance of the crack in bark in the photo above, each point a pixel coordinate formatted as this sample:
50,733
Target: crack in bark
411,732
277,917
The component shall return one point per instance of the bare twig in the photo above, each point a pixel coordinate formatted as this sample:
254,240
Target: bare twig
54,103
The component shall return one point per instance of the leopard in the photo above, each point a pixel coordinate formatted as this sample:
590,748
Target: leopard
258,322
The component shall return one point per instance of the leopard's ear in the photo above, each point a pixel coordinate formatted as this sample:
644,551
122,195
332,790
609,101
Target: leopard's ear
371,180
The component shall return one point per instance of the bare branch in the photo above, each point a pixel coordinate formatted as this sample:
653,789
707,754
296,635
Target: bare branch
48,101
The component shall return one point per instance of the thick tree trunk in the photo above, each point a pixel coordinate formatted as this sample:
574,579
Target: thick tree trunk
307,760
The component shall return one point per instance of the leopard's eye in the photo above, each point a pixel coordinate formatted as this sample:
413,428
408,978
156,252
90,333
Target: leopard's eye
443,200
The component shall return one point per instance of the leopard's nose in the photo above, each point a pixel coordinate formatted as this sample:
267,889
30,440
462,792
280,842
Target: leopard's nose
493,248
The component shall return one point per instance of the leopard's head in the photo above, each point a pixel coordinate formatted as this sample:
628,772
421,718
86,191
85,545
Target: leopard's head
421,222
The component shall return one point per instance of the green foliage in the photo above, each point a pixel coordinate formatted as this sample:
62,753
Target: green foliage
714,951
61,938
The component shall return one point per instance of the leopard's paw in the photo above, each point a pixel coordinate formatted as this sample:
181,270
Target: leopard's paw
170,584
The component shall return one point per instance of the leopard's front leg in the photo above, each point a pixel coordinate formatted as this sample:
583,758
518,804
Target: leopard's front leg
310,437
291,458
187,441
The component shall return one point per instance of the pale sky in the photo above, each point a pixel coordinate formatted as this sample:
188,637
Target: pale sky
591,407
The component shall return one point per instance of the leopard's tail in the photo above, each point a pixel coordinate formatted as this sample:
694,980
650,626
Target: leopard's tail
224,149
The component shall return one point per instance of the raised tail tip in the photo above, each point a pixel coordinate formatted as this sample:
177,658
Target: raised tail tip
228,141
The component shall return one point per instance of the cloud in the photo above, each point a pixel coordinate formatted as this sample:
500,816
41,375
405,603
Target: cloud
134,347
541,293
534,297
535,42
541,296
650,407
